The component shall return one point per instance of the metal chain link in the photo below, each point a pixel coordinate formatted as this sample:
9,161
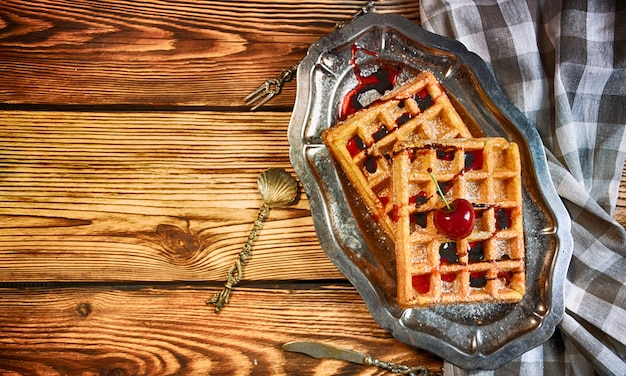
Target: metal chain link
399,368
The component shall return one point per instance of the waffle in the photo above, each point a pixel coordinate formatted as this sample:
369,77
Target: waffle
362,143
487,265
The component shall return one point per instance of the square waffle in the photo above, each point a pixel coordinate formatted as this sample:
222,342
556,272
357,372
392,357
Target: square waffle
362,144
487,265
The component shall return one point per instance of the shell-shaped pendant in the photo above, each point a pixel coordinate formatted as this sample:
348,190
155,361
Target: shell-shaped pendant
277,187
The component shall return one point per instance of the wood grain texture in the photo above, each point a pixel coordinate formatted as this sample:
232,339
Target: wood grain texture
153,52
161,331
157,196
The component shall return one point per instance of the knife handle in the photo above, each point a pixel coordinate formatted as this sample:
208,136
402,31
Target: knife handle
398,368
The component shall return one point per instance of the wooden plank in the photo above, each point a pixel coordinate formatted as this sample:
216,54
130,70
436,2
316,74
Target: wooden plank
159,52
147,196
148,331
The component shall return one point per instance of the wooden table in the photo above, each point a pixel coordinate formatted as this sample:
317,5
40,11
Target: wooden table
128,187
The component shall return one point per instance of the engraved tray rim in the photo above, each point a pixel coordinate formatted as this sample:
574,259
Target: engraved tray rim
536,317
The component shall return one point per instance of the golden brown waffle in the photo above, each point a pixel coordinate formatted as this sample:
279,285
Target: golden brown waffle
486,266
362,144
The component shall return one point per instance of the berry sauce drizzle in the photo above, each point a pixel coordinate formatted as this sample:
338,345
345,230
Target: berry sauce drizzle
478,279
473,160
370,164
447,253
476,252
423,99
421,283
382,80
355,145
380,133
504,218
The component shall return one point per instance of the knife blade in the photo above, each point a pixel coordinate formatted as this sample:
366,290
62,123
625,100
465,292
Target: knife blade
325,351
321,351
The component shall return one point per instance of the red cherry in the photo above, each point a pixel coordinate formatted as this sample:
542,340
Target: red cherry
456,222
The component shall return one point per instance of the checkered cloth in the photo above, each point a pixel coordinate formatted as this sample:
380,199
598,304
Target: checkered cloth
563,64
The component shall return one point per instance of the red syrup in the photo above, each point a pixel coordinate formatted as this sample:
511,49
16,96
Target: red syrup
354,145
382,80
449,277
447,253
380,133
370,164
478,279
383,200
423,99
419,219
395,213
505,277
476,251
445,153
403,119
473,160
421,283
504,218
419,199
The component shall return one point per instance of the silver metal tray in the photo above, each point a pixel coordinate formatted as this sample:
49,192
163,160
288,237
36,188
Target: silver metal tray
476,336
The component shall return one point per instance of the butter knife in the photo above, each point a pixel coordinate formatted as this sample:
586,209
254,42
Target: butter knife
321,350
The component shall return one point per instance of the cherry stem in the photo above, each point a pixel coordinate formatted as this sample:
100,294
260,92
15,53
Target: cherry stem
443,197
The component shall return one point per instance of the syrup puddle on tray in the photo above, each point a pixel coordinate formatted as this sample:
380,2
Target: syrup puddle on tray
371,85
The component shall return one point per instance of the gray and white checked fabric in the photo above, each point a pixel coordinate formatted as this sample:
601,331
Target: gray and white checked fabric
563,64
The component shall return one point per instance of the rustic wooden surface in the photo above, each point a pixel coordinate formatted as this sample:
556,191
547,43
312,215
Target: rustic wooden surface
128,187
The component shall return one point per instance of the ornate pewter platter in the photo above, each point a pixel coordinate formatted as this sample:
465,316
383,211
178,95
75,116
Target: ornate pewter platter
476,336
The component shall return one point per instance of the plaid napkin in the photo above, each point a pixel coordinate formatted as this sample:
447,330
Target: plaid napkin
563,64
